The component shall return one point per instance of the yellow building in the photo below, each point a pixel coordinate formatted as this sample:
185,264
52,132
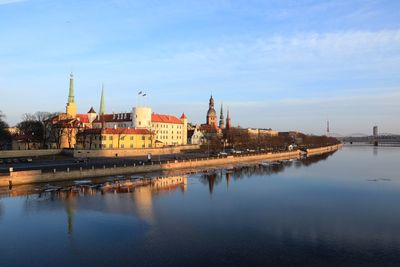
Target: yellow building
120,138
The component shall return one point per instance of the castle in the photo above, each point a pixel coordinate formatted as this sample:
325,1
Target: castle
140,128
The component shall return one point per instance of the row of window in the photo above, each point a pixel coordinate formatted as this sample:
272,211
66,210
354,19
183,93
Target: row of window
166,126
121,146
122,137
166,137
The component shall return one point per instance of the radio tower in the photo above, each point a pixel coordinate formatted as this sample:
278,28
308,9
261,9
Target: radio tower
327,128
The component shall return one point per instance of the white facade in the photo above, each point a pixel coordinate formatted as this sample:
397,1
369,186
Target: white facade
141,117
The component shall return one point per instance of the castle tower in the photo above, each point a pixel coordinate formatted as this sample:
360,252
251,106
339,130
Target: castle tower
184,129
228,120
92,115
211,114
71,105
221,118
102,109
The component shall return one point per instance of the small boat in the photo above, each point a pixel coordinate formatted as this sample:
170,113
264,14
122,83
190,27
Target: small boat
82,182
265,164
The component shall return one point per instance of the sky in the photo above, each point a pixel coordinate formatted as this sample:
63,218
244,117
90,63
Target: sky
286,65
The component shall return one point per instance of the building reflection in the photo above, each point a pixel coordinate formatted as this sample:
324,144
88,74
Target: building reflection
228,178
213,177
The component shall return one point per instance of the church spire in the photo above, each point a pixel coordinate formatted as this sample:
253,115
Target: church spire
102,110
228,120
221,118
71,97
71,105
211,102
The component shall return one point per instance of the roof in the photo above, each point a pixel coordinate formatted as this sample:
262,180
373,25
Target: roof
207,128
122,117
91,110
116,117
183,116
82,118
165,118
116,131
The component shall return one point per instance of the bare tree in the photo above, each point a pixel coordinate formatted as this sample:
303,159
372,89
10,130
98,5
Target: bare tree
5,136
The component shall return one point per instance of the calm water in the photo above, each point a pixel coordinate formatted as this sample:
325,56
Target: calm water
341,209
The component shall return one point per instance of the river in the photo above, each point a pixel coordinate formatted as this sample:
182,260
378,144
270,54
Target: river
337,209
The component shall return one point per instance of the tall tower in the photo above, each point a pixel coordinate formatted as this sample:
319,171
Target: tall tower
211,113
102,109
184,129
221,118
327,128
228,120
71,105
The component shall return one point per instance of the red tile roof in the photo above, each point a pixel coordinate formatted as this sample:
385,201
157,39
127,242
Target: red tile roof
82,118
165,118
183,116
207,128
128,117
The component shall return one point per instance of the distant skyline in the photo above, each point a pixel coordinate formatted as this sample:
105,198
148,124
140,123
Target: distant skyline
286,65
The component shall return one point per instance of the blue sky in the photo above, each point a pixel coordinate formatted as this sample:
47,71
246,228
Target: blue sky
279,64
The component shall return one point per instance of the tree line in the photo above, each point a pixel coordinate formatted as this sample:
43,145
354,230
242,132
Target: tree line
241,139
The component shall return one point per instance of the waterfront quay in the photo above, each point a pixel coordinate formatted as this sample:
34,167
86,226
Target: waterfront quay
38,176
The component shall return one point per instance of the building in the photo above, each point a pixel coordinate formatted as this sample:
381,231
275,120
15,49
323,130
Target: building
375,131
166,130
195,136
119,138
211,118
211,127
262,132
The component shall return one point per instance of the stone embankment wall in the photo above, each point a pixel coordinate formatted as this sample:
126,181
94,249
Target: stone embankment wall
322,150
132,152
29,153
28,177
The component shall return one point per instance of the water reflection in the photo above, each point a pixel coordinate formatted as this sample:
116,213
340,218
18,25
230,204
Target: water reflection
297,213
213,177
375,151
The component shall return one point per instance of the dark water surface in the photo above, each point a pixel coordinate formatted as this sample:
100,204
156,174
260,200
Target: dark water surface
341,209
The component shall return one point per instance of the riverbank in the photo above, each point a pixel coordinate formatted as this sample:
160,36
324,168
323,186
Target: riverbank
36,176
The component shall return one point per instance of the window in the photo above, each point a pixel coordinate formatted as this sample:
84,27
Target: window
122,146
143,137
110,146
131,145
122,137
131,138
110,137
143,146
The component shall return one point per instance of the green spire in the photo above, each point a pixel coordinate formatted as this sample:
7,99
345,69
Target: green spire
102,105
71,97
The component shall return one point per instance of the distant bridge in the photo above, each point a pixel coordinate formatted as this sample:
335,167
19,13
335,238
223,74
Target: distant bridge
384,138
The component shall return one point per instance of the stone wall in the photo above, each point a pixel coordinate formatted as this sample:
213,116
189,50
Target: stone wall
322,150
28,153
133,152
